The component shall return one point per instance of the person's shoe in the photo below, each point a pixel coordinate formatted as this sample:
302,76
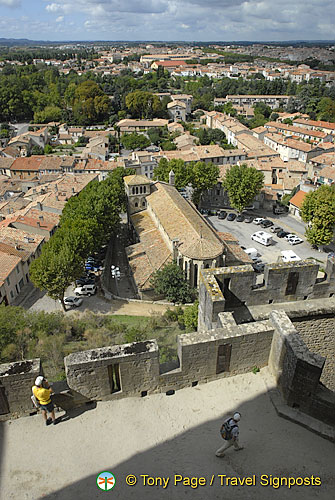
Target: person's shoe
55,422
48,421
239,448
219,456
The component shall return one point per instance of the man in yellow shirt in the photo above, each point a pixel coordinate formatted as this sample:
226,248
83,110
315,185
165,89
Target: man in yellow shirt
42,393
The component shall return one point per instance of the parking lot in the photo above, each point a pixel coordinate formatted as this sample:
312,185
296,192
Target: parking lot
268,254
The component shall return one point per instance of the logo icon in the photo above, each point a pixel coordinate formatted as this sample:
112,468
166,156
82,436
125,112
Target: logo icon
105,481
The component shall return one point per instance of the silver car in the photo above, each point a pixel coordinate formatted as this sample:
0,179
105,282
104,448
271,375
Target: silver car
73,301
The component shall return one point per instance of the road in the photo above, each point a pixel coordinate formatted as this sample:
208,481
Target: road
270,254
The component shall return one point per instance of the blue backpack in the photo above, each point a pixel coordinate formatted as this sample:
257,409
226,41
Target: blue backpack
226,429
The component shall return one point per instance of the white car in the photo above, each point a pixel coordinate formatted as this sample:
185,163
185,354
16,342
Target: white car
258,220
290,235
73,301
294,240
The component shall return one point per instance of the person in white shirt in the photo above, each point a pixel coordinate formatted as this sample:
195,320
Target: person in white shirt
230,433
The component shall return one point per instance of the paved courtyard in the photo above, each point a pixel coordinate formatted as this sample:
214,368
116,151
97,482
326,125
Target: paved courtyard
162,436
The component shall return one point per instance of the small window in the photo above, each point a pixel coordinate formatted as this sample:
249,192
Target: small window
12,294
136,205
7,281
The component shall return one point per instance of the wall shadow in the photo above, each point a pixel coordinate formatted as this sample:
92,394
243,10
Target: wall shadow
273,446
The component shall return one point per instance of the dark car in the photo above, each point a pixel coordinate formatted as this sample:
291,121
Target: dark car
248,219
222,214
85,281
266,223
231,216
276,229
282,234
240,218
258,267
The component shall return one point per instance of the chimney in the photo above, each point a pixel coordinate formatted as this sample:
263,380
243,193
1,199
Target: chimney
38,224
40,217
57,197
39,206
73,190
171,178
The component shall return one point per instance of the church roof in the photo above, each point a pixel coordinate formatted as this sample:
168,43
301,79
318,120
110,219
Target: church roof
135,180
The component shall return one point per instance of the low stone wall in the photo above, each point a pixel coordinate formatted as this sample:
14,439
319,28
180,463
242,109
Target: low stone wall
227,351
16,381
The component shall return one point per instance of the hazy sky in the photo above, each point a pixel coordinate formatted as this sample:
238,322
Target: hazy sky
188,20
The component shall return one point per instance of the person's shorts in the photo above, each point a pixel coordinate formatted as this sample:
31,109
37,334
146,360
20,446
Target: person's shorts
48,407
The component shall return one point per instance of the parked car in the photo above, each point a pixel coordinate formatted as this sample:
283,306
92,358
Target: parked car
282,233
231,216
85,290
289,235
275,229
295,240
258,266
92,260
85,281
263,238
277,210
252,253
240,218
248,219
266,223
73,301
258,220
289,256
90,266
222,214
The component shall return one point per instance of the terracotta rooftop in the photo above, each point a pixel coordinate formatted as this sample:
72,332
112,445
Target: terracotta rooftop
27,163
12,236
150,254
7,264
328,173
298,199
181,221
132,180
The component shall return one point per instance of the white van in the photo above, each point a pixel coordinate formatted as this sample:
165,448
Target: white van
85,290
289,256
252,253
262,237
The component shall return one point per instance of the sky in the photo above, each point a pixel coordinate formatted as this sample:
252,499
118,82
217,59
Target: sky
168,20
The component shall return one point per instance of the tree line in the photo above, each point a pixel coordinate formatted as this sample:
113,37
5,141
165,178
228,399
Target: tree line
87,222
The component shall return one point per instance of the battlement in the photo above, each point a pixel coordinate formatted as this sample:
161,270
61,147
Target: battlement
230,288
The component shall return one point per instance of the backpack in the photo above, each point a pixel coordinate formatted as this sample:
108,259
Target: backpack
226,429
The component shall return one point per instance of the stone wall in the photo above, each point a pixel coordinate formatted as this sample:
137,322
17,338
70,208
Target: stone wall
318,333
16,381
297,371
225,289
229,350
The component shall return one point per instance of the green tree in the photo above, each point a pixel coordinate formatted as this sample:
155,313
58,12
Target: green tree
55,269
243,184
135,141
191,315
48,149
318,210
169,281
182,171
204,176
143,104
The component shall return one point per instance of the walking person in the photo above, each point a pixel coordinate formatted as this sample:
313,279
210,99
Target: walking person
42,392
230,433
